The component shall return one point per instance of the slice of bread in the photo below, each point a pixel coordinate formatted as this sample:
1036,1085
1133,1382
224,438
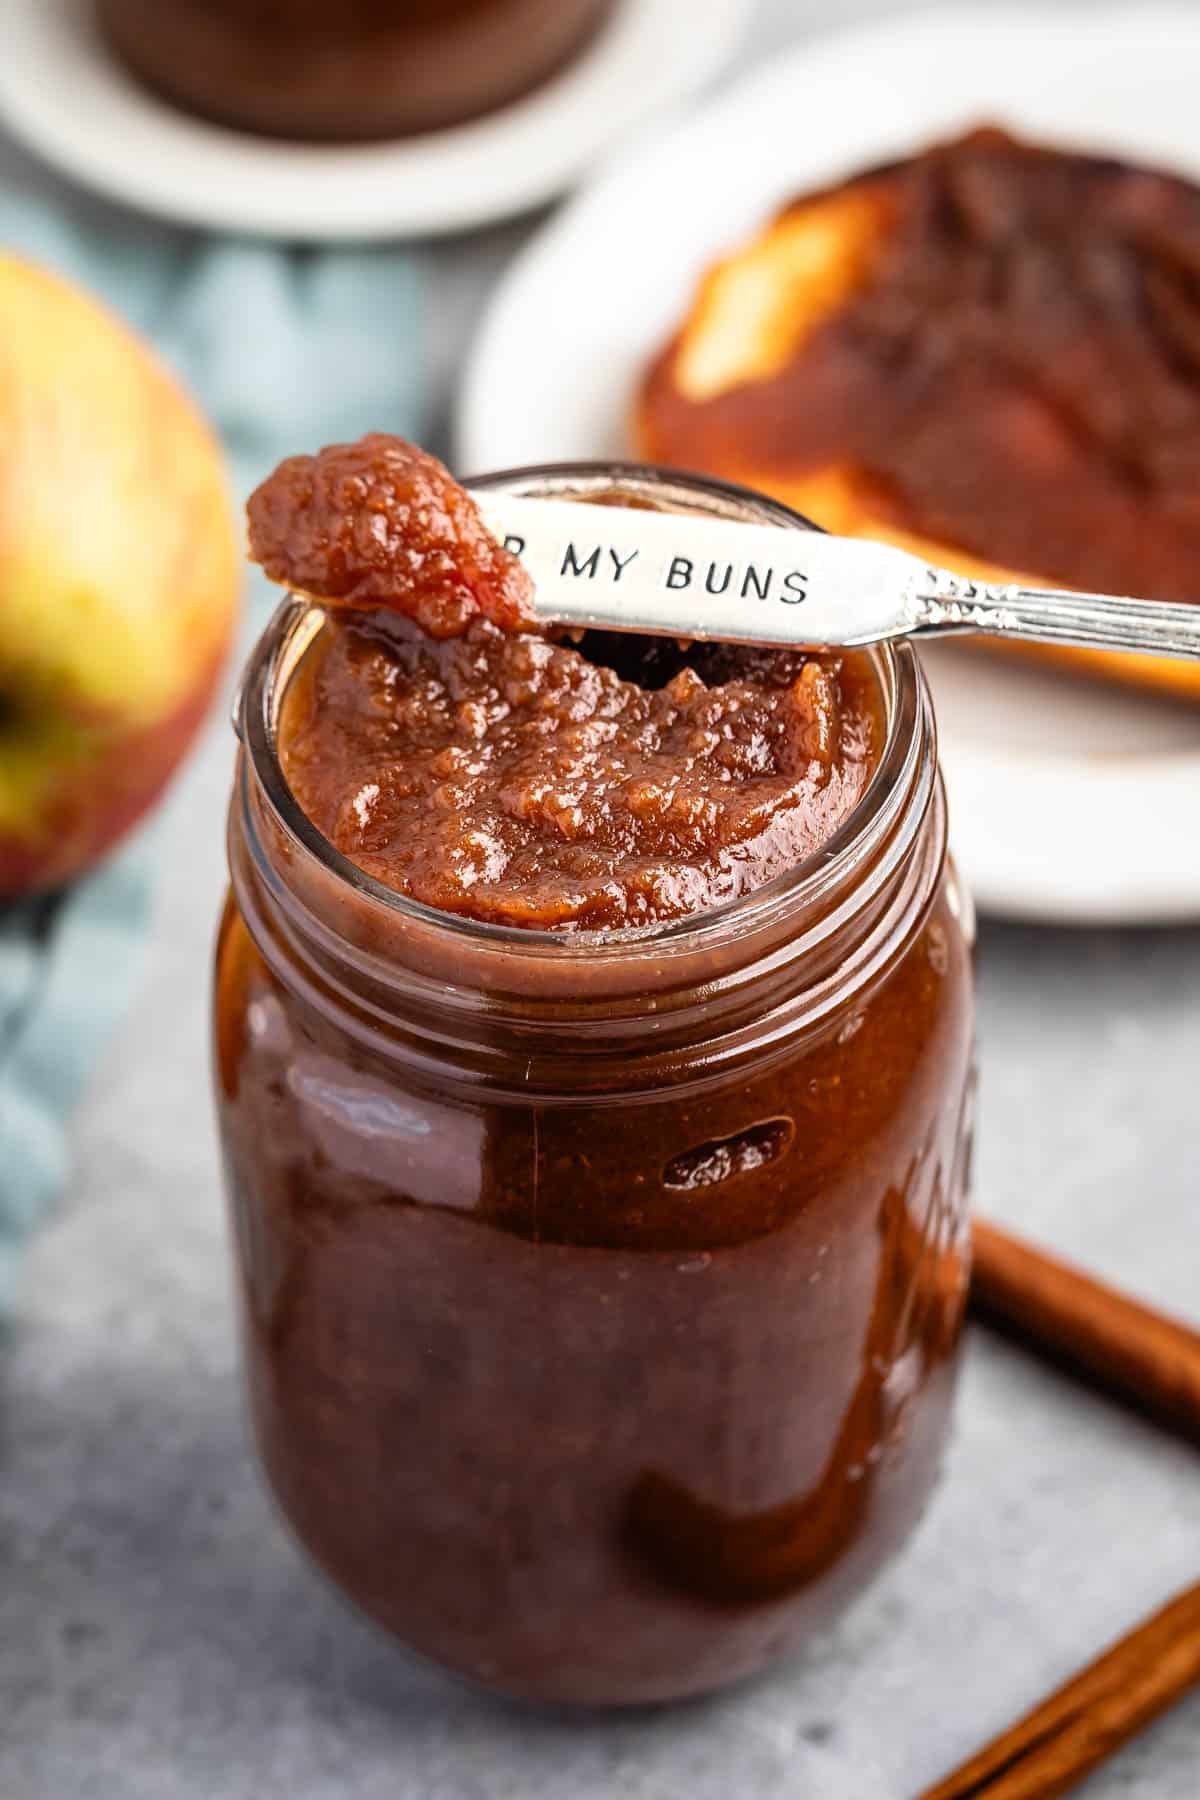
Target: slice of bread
988,354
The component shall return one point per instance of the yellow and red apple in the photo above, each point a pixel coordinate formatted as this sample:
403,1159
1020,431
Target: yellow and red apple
119,575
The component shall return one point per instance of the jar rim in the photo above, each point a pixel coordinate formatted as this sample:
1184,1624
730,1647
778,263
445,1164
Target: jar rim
910,737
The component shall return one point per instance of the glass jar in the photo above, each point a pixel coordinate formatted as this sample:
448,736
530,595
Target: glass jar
345,70
601,1296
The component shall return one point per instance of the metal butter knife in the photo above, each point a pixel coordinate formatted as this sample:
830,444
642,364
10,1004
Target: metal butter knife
687,575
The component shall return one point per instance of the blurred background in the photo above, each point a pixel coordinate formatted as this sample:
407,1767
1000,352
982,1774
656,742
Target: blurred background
483,238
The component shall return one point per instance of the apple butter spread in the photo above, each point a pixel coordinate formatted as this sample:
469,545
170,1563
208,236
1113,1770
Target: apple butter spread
381,523
612,783
601,1280
516,781
345,70
989,352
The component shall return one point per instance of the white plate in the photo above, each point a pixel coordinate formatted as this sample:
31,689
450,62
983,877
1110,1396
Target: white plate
63,95
1070,803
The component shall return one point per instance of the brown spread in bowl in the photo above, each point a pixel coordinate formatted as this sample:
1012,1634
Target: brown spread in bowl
345,70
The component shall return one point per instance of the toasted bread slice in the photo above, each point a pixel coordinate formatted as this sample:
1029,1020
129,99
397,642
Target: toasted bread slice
988,354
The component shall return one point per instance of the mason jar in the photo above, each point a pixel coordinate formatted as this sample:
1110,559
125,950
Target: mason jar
600,1295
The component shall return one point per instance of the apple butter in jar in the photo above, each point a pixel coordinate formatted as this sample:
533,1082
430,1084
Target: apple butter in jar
345,70
593,1058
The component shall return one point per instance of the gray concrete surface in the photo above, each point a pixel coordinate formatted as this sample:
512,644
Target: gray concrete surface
160,1638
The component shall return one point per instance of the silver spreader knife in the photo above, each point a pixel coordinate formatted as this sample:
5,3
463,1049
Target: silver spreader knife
690,576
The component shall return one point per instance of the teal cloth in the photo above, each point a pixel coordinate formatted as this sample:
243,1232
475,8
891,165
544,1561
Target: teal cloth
285,348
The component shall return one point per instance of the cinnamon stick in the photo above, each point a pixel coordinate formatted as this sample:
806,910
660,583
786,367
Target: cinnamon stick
1055,1746
1133,1352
